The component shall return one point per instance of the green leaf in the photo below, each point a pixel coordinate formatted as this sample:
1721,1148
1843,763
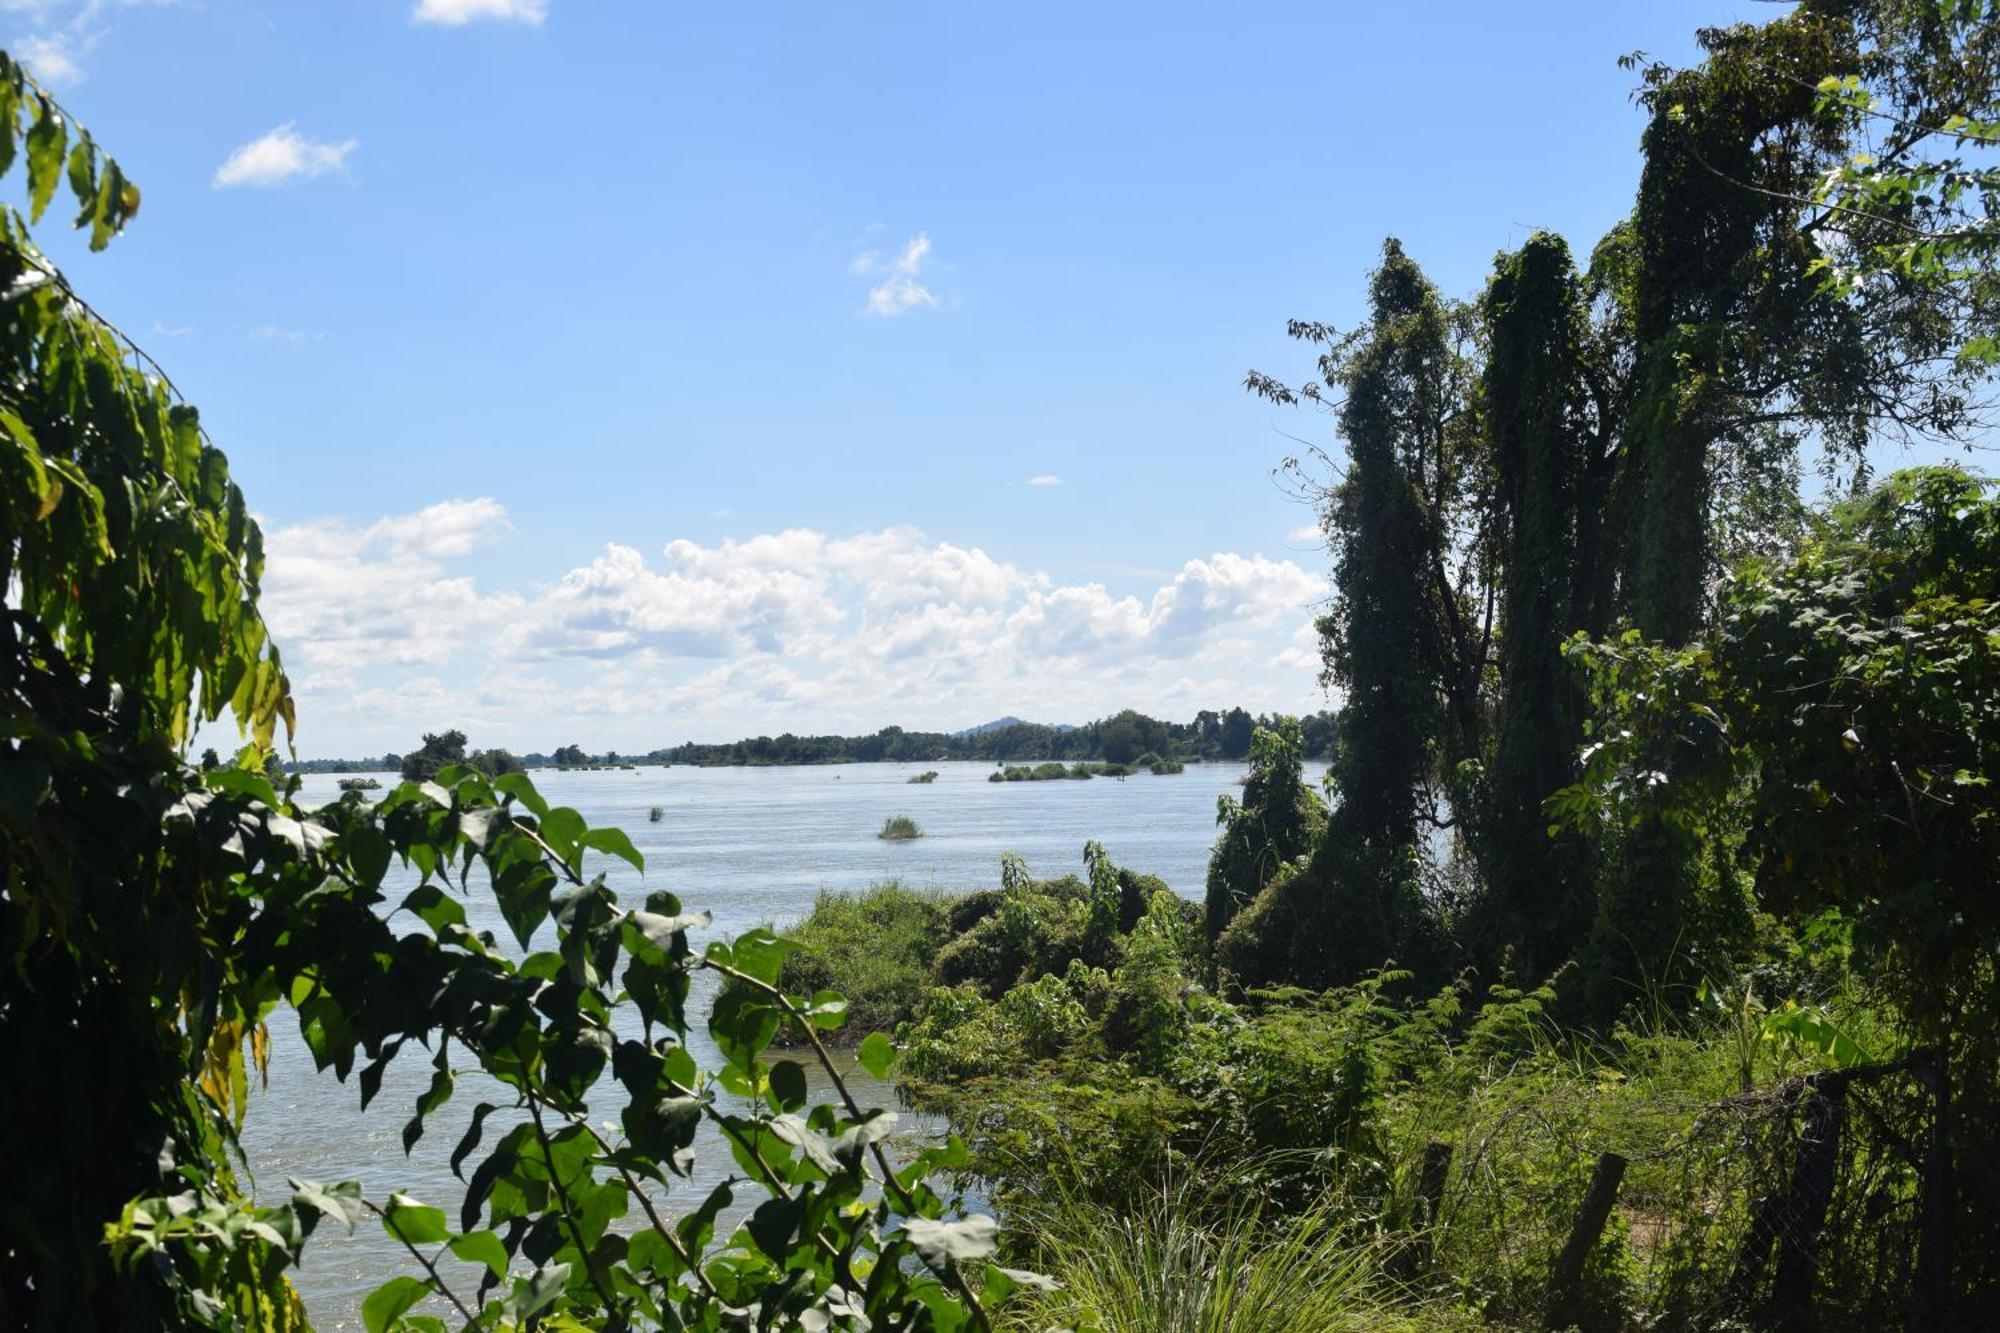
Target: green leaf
877,1054
940,1244
416,1223
613,842
816,1147
387,1303
659,931
10,121
788,1084
434,907
340,1202
531,1294
828,1010
368,852
46,140
562,827
760,954
481,1247
83,178
521,789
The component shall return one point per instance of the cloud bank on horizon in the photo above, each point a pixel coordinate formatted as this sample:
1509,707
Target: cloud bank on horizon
389,632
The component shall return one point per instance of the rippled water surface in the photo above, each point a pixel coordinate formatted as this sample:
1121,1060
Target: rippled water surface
753,846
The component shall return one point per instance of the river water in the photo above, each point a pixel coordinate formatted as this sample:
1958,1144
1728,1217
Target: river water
753,846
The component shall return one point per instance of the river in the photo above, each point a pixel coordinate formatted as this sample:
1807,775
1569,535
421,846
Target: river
753,846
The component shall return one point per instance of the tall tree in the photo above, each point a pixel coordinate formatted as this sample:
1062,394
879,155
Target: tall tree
1534,394
1743,349
1406,639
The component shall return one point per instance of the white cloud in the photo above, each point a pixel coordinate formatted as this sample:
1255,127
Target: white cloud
391,630
53,57
899,291
344,598
283,155
1045,479
271,333
457,13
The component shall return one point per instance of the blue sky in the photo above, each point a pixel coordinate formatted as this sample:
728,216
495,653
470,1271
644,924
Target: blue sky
728,341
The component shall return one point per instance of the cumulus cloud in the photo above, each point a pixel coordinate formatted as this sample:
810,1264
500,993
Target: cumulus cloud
457,13
54,57
391,630
343,598
899,290
283,155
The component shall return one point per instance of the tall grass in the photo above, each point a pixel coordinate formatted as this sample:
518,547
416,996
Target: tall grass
1165,1265
900,828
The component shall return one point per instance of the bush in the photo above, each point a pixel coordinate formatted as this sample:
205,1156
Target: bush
923,779
875,948
900,828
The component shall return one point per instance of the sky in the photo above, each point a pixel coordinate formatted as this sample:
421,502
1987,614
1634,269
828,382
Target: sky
633,373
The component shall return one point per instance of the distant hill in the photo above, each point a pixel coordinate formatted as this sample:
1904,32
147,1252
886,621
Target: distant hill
1002,723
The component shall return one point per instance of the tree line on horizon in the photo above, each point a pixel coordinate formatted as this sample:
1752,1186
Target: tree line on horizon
1121,738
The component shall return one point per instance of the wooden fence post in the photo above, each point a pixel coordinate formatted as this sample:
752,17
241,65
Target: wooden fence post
1566,1278
1806,1202
1431,1182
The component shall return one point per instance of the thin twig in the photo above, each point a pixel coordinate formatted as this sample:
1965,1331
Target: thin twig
430,1266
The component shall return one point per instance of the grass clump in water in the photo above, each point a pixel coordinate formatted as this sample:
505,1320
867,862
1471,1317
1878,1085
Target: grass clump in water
899,828
923,779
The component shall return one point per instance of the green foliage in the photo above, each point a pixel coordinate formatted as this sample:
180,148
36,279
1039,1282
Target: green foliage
1277,821
1922,202
1127,735
1840,719
1533,906
1163,1262
875,948
1403,640
132,567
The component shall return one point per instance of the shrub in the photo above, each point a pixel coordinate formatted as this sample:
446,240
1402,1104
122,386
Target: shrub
900,828
923,779
875,948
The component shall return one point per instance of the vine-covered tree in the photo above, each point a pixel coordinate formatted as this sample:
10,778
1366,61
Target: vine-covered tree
1277,821
1533,904
1405,640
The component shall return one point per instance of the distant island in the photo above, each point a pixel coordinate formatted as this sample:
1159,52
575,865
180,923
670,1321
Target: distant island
1122,738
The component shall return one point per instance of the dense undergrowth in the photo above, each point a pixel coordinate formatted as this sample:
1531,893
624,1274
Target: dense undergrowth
1123,1111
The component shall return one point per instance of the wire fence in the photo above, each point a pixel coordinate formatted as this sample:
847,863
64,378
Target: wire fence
1821,1203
